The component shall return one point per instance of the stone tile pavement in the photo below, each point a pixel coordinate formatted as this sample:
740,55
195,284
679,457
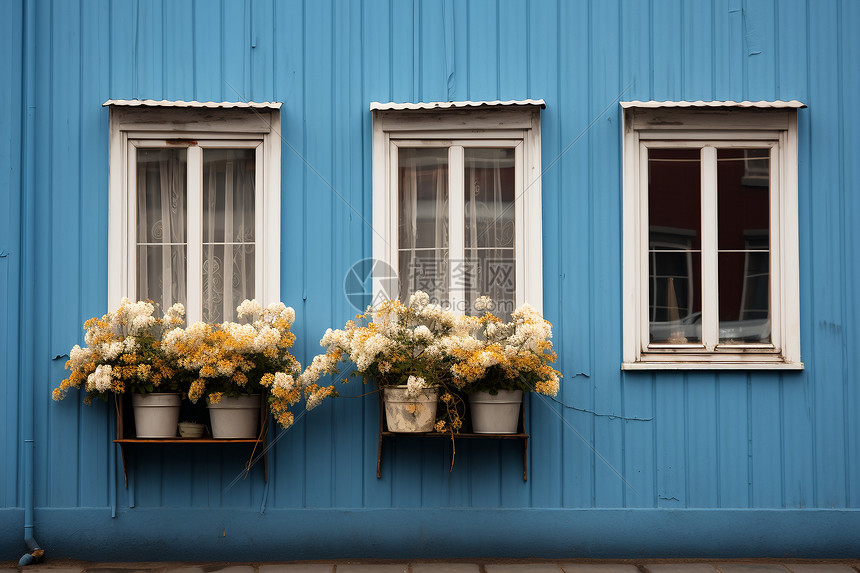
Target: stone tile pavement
467,566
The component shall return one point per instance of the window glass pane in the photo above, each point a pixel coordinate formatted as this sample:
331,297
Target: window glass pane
161,225
490,272
675,303
228,195
490,227
744,297
674,260
422,198
743,196
228,231
425,270
228,279
161,274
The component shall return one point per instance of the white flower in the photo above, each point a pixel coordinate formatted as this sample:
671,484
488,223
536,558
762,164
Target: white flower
483,303
275,309
288,315
334,339
419,300
78,356
141,323
268,337
321,364
99,381
414,386
111,351
248,308
487,359
129,344
284,382
423,334
313,401
175,313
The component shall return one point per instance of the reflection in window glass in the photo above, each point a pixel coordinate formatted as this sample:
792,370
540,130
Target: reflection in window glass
743,223
674,223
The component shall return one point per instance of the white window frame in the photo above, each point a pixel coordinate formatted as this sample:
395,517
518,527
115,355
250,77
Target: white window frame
710,126
459,125
194,126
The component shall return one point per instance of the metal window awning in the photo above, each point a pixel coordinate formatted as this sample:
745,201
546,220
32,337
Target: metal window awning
193,104
391,106
778,104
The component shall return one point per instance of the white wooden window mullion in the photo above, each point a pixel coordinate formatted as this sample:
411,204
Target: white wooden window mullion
709,276
194,252
456,228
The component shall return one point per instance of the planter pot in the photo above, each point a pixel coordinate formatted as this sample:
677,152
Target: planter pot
235,418
410,414
497,414
156,415
190,430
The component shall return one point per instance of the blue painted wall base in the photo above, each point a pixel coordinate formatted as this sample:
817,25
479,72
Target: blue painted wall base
285,535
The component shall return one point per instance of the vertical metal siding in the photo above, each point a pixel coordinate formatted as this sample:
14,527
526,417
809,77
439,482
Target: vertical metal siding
678,440
10,251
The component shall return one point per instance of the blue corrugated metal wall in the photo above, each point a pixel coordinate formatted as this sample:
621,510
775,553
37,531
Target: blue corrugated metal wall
715,441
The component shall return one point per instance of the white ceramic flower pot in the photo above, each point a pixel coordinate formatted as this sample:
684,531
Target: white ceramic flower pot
495,414
156,415
410,414
235,418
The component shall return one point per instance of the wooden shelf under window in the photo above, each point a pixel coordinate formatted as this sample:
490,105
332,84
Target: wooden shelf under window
187,441
520,435
125,433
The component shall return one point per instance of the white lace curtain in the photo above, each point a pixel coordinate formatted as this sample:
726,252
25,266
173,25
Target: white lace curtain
487,267
490,228
423,236
161,225
228,231
227,213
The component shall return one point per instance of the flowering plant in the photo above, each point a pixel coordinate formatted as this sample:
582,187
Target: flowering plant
123,353
396,344
514,355
393,345
420,344
233,359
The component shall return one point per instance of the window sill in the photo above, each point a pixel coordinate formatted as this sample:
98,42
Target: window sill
711,365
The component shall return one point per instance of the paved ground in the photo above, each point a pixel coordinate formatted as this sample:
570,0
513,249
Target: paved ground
758,566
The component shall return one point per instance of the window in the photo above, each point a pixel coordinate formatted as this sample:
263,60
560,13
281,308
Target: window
457,202
710,235
194,205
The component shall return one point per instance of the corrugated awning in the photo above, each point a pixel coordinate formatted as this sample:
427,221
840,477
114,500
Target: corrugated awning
199,104
758,104
377,106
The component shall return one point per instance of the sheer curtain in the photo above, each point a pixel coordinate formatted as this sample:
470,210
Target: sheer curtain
488,263
490,228
423,223
161,225
228,217
228,231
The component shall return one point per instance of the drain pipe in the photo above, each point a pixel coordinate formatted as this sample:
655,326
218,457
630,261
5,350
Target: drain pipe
28,188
